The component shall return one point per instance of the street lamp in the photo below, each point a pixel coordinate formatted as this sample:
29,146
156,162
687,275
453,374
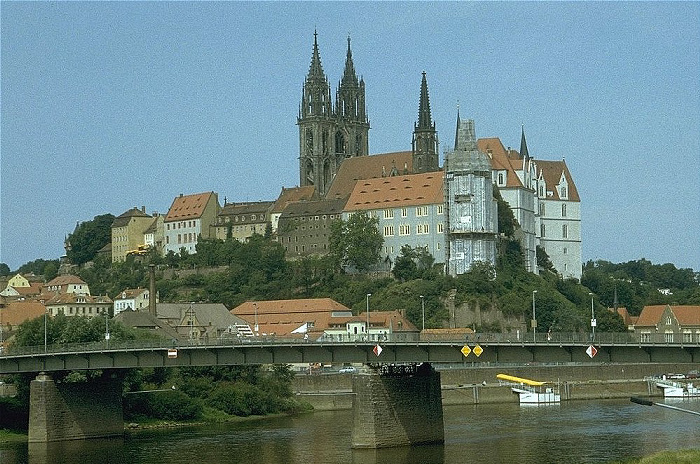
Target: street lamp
368,295
534,319
593,321
255,307
422,305
46,310
107,327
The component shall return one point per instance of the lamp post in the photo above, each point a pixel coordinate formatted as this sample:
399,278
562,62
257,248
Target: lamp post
422,306
368,295
107,327
534,319
593,321
255,307
46,310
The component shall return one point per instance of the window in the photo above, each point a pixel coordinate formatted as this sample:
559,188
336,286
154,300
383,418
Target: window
404,212
440,209
563,210
542,230
440,228
687,336
404,229
565,251
668,337
563,192
645,337
500,178
542,209
421,211
422,229
565,231
388,231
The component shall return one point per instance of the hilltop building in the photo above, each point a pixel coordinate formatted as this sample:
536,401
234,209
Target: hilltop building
190,218
128,233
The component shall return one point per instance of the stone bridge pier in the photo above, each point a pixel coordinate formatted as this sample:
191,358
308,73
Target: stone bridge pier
397,406
74,411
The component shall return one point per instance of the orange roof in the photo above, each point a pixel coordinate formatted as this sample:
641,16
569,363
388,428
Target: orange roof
188,206
686,315
392,192
292,195
552,171
389,319
33,289
303,305
74,298
17,312
65,280
502,159
368,167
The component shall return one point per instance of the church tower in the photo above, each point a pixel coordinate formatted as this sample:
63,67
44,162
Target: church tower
425,141
472,212
330,133
351,138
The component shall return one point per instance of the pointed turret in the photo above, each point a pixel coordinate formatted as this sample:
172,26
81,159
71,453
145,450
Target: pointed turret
425,141
316,97
352,137
349,76
523,146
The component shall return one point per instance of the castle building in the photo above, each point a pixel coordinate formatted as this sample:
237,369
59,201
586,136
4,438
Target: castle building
471,222
329,133
190,218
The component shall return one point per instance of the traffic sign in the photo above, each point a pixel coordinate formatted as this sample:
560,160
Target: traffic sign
172,353
377,350
478,350
466,350
591,351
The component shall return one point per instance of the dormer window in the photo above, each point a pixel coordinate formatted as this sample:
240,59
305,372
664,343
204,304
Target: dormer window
563,191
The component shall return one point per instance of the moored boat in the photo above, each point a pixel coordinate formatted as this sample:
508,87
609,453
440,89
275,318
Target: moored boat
530,391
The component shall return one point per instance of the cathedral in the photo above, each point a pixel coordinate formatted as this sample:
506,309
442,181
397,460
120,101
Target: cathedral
448,211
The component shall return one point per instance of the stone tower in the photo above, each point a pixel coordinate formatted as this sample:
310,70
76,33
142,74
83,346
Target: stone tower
425,141
472,214
330,133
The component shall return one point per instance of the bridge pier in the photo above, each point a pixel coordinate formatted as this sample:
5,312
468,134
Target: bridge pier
74,411
397,408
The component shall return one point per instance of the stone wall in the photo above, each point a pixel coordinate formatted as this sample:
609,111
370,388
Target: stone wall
73,411
398,410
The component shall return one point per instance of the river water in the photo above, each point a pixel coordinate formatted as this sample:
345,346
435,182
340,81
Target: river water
597,431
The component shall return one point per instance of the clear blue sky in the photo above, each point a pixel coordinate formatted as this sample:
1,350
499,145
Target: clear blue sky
111,105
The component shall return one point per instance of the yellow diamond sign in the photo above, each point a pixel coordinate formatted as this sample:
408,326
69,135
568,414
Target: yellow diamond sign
478,350
466,350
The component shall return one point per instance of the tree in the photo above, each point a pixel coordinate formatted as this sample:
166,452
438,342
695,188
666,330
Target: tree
88,238
405,267
506,220
4,269
356,242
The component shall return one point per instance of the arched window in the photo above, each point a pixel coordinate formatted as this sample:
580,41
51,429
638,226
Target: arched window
563,210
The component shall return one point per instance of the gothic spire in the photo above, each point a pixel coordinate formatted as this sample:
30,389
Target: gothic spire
523,145
457,129
349,76
424,118
316,69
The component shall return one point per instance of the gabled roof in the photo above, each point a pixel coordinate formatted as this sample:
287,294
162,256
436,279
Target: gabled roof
33,289
552,171
502,159
312,208
214,314
258,207
75,298
302,305
188,206
17,312
291,195
66,279
389,319
368,167
130,293
686,315
124,218
399,191
145,320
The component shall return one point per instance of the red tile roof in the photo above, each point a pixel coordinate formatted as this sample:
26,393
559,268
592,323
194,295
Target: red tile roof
292,195
188,206
551,172
686,315
17,312
368,167
398,191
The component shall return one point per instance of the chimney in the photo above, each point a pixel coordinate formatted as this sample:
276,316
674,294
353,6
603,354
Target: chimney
152,290
143,209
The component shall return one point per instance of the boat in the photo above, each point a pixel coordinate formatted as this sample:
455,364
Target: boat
673,389
530,391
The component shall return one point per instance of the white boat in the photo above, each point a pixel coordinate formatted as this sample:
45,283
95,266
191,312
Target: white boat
674,389
530,391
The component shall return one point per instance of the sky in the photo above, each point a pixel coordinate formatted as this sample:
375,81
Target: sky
106,106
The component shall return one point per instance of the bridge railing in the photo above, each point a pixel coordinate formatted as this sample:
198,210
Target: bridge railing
554,339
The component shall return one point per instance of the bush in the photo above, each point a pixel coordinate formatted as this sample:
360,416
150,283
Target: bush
243,399
13,414
172,405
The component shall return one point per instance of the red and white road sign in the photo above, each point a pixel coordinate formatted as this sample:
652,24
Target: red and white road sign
377,350
591,351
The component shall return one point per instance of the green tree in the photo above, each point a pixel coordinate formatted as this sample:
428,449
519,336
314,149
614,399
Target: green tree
356,242
507,224
4,269
405,267
88,237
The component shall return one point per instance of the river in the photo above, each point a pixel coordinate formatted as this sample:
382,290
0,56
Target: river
596,431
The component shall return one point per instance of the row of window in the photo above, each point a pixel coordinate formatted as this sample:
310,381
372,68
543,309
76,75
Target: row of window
79,311
183,238
405,229
181,225
302,248
420,212
543,209
669,337
564,230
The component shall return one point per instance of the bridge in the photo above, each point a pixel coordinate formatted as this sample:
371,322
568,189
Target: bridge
493,348
391,407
